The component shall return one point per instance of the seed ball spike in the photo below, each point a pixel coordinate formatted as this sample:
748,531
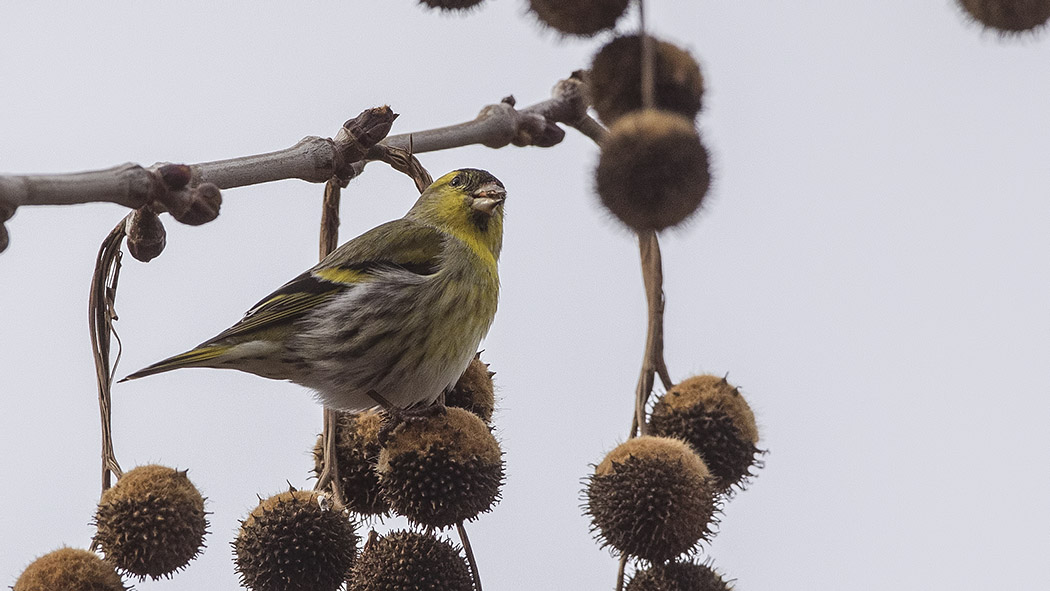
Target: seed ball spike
357,451
441,469
677,576
69,569
653,170
614,82
710,414
292,542
152,522
474,391
1008,16
582,18
651,497
450,5
407,561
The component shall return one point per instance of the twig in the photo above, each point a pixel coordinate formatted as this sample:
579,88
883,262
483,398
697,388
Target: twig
652,277
619,572
648,61
470,555
101,315
329,476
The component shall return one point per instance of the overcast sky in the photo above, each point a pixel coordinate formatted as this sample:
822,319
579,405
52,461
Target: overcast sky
870,267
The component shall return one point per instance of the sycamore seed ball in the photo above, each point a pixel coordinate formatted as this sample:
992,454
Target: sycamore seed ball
294,541
152,522
474,391
357,451
69,569
653,170
677,576
451,4
579,17
1009,16
709,413
615,79
408,561
442,469
651,497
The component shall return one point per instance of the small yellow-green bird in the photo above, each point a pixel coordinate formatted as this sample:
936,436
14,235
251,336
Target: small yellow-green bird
399,310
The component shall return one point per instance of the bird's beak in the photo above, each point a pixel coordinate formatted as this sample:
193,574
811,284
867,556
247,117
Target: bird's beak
487,197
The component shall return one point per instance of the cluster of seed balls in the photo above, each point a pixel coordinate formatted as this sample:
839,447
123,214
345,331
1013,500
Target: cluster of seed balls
152,523
655,497
437,471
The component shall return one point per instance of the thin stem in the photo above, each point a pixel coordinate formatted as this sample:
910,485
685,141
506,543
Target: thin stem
101,315
619,573
648,63
329,241
652,276
470,555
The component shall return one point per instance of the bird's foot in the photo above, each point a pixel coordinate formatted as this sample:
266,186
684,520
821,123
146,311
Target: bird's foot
396,416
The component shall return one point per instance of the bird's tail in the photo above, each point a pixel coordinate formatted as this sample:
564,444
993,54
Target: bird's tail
198,357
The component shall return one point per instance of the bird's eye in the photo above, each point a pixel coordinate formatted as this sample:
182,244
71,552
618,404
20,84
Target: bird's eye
456,181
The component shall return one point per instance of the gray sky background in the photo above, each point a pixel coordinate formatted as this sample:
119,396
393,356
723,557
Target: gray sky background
870,268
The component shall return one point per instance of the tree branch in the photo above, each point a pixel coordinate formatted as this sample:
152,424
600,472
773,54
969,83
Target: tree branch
190,192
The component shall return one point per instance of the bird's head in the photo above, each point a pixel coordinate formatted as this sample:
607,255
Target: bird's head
467,203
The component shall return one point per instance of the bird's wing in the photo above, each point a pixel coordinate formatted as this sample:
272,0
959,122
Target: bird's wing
401,245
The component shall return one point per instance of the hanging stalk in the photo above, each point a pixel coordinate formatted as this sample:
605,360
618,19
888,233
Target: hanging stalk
101,315
329,241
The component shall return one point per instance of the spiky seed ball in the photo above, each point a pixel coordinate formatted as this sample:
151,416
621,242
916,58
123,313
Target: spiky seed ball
442,469
357,451
451,4
474,391
1009,16
294,541
677,576
69,569
653,171
407,561
615,79
152,522
579,17
651,497
710,414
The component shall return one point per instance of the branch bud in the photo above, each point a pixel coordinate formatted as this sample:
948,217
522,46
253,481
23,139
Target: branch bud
146,235
358,135
197,206
175,176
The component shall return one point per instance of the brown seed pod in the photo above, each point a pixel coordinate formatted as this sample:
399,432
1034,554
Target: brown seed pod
653,171
407,561
583,18
1008,16
474,391
293,541
69,569
442,469
449,5
651,497
357,452
615,79
146,235
710,414
152,522
677,576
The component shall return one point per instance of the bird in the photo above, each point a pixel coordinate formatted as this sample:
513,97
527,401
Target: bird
391,317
